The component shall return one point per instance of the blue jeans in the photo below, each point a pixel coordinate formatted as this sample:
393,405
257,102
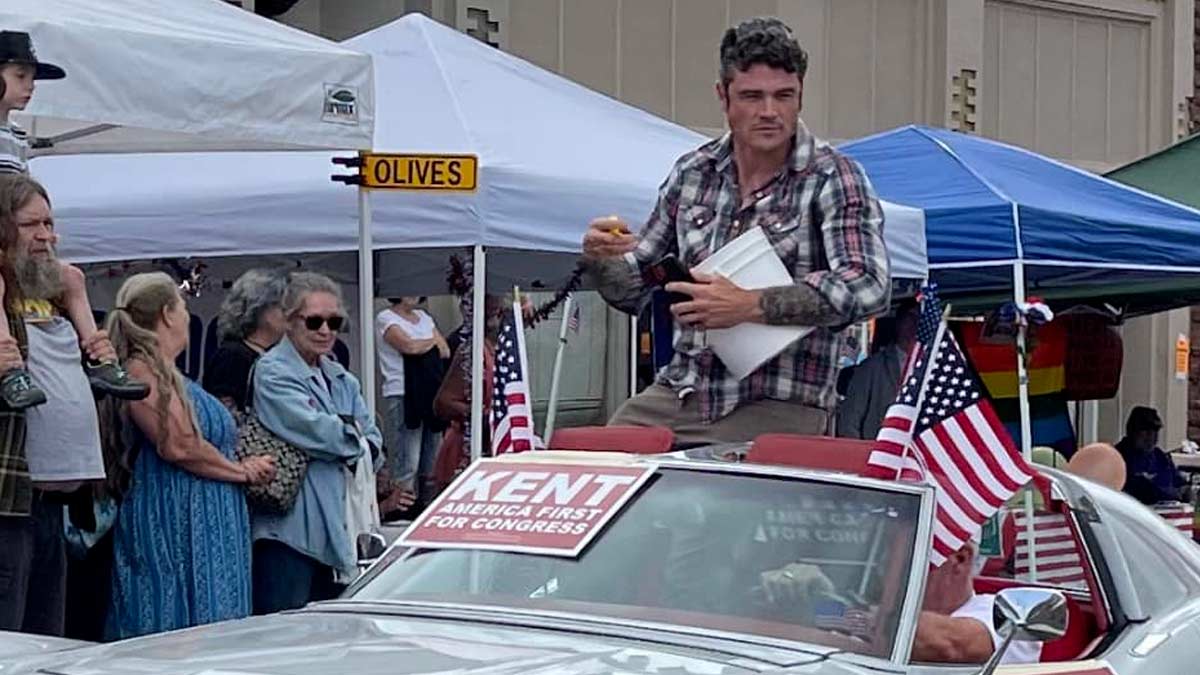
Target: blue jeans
411,452
33,569
284,578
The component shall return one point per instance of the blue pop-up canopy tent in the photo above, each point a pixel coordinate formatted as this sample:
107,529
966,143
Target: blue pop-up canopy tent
1001,221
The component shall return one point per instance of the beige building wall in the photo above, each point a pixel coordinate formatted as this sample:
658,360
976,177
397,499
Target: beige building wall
1096,83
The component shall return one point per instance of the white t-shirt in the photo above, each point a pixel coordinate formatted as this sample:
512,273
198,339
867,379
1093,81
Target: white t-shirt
979,607
391,361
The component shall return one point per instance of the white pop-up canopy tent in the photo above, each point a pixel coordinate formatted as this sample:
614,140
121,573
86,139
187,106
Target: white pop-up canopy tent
552,155
184,75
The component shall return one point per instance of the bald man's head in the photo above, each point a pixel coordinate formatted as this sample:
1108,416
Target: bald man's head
1099,462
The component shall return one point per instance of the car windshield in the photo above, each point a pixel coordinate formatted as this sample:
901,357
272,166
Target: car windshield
783,557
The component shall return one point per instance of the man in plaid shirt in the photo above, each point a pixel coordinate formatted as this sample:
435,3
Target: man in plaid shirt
817,209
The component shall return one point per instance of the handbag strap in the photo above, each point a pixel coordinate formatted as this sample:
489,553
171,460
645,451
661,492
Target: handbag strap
248,407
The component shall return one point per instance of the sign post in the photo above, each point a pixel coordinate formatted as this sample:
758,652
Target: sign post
366,299
378,171
478,324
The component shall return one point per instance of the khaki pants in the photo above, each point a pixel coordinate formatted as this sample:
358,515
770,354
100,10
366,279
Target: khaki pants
660,406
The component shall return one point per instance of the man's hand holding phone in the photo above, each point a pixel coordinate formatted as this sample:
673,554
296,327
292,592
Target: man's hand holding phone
668,271
702,300
714,302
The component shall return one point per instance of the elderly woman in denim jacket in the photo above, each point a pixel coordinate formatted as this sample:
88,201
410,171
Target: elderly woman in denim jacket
307,399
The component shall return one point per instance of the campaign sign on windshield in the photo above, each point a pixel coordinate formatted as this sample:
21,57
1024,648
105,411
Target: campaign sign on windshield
526,507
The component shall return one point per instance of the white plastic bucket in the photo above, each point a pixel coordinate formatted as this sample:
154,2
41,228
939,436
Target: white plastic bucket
750,262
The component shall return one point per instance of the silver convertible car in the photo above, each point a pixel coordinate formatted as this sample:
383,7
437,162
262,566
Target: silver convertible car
595,562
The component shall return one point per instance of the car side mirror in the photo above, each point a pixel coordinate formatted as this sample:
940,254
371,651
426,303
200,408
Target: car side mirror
1027,615
371,545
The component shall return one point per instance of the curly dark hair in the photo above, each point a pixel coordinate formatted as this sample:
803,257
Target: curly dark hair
255,292
764,40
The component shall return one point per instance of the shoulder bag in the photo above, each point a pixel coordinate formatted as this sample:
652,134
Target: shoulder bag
291,463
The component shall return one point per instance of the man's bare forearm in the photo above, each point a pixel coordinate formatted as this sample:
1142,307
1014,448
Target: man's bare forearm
617,283
796,305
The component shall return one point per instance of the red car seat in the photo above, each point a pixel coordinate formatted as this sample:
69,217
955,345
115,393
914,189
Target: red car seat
637,440
847,455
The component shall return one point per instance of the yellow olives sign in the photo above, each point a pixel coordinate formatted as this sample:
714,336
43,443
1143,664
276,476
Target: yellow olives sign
434,173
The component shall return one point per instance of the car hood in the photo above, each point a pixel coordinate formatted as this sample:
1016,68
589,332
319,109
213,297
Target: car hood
25,644
321,642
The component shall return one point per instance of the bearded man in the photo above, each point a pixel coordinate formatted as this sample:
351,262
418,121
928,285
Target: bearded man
48,452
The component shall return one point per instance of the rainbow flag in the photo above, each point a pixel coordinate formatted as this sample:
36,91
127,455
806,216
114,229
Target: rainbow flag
996,363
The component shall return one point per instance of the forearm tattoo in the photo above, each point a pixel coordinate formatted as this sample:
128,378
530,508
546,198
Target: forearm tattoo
797,305
608,272
615,280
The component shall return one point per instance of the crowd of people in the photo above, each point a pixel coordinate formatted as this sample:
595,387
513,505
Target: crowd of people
151,491
159,475
123,488
146,495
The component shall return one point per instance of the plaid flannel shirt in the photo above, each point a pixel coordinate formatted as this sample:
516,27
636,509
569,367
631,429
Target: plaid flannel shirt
825,222
16,488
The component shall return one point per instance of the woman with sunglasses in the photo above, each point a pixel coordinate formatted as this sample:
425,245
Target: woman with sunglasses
309,400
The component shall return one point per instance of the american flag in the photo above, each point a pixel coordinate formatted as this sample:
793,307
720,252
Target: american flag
942,429
1179,515
836,615
1057,559
573,320
512,414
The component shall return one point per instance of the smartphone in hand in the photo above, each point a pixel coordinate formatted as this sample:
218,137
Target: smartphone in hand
665,271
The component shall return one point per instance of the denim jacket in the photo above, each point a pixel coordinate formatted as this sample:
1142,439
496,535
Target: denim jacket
292,400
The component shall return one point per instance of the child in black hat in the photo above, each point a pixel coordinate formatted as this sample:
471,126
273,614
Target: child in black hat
19,68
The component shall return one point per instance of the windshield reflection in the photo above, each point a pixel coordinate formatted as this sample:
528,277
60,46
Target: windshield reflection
765,555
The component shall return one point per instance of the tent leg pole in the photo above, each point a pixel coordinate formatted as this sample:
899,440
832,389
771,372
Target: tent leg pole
1026,424
555,378
478,322
1093,418
634,343
366,299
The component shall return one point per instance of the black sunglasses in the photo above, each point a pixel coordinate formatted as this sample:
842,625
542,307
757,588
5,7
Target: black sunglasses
314,323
